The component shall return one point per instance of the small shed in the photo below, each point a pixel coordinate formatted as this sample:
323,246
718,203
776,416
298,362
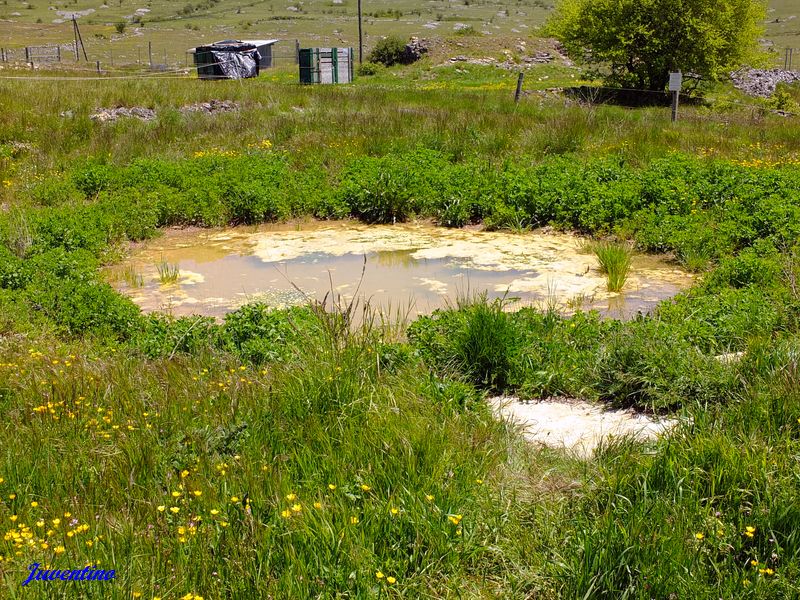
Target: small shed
326,65
233,59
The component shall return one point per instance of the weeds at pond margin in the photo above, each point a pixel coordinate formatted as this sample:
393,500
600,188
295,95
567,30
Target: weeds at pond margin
167,274
614,259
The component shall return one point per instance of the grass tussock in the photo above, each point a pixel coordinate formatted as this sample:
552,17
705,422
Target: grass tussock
614,259
168,274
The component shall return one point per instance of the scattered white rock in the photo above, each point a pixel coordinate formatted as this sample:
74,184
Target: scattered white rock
76,13
730,357
762,82
109,115
574,425
211,107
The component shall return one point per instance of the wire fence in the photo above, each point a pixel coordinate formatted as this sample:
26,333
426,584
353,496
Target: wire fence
146,57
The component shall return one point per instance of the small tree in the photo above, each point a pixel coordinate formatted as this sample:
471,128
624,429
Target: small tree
637,43
120,27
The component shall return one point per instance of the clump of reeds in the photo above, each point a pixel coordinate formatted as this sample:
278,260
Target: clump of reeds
615,262
167,273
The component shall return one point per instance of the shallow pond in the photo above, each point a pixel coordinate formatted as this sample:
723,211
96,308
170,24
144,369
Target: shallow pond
413,268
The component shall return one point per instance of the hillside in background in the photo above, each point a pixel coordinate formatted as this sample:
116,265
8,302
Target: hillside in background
174,27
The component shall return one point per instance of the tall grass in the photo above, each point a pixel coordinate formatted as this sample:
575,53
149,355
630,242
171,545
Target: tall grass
200,474
615,262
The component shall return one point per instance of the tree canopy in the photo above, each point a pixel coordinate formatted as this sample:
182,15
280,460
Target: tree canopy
636,43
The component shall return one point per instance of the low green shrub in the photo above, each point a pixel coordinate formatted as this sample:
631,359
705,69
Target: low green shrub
160,335
258,333
389,51
368,69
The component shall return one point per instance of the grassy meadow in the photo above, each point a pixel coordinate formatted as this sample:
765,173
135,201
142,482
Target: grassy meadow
328,452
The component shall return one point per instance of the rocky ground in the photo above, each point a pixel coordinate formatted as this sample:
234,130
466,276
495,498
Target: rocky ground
107,115
762,82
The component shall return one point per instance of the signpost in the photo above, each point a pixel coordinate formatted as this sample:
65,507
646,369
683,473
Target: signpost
675,84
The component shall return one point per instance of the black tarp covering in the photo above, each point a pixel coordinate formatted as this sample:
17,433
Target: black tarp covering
229,61
237,65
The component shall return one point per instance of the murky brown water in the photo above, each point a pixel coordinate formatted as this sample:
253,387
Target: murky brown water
415,268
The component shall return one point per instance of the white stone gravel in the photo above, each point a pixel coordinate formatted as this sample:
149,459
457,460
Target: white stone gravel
576,426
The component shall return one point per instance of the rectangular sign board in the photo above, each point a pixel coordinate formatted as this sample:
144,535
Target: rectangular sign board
675,81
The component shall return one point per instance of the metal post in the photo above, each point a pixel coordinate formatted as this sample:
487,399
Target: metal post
58,53
518,93
97,63
360,36
675,98
297,51
150,53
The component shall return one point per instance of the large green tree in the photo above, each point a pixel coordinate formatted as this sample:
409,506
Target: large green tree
638,42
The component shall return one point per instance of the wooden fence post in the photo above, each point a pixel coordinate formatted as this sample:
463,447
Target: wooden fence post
518,93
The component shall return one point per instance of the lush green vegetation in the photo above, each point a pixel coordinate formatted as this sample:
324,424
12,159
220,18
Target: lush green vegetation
299,454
